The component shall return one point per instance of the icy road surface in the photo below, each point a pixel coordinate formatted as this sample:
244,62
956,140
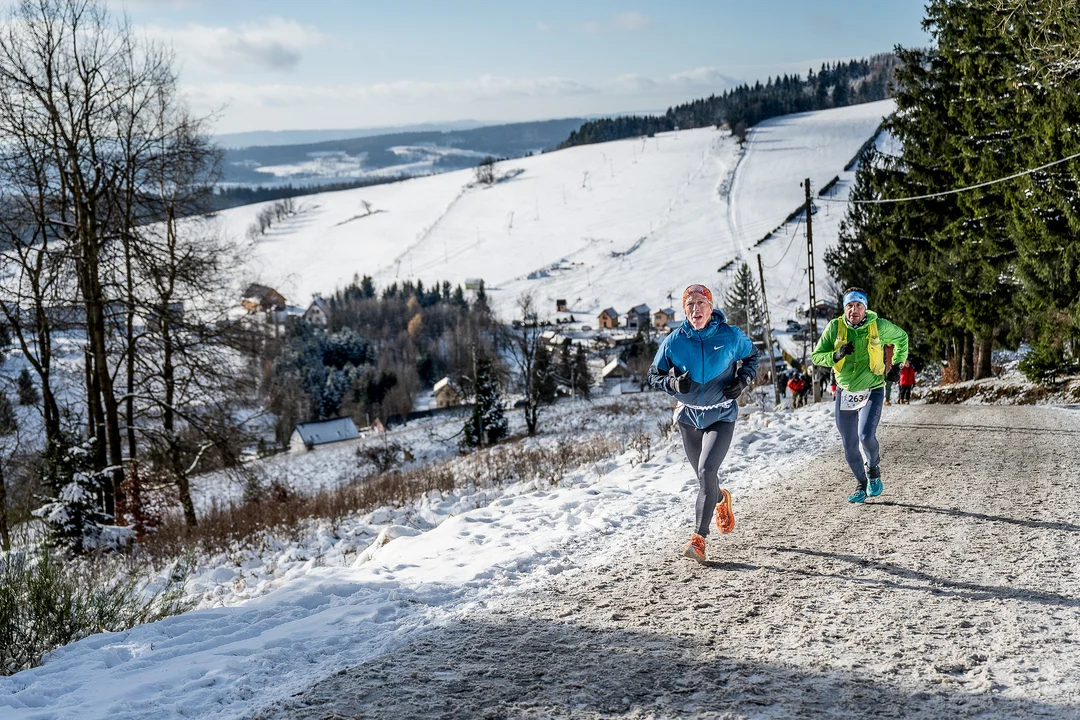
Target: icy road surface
953,595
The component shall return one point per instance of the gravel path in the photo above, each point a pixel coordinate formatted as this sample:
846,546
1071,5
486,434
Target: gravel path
953,595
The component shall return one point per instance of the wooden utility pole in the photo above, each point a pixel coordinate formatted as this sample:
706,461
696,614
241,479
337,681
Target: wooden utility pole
812,315
768,331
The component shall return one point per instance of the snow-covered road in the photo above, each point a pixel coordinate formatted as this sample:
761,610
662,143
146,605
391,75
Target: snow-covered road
956,594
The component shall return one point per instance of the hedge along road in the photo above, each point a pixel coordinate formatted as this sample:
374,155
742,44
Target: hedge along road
956,594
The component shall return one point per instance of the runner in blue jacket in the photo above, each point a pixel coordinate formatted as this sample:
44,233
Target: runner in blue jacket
705,364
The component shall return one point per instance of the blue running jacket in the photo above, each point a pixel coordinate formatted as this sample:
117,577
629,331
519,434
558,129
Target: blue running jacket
714,355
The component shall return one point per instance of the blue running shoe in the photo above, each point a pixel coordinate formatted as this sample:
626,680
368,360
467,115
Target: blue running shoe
874,485
857,497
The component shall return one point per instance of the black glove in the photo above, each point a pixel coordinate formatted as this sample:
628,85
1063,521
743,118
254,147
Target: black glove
680,384
734,389
845,350
893,375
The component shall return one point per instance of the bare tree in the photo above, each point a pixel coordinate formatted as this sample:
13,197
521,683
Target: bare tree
485,171
525,346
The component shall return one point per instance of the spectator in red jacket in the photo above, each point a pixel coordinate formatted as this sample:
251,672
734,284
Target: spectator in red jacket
796,385
907,381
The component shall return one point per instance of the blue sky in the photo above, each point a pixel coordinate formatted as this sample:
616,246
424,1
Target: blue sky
278,65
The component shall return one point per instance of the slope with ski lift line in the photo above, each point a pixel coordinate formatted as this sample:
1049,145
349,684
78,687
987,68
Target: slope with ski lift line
608,225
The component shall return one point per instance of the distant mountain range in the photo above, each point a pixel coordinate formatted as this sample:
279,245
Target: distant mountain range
419,152
272,138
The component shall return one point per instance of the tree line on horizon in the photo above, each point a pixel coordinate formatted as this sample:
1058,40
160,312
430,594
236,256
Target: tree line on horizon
835,85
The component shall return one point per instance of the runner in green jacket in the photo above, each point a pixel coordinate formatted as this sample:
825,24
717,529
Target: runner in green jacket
853,345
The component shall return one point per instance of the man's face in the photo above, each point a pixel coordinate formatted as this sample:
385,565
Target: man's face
855,312
698,310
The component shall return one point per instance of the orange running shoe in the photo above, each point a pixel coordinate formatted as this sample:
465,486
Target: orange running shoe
696,549
725,518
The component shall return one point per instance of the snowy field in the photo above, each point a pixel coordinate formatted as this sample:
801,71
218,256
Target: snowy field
609,225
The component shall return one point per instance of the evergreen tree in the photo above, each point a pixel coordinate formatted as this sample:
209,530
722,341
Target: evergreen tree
8,422
742,304
487,423
581,375
27,392
481,303
1044,207
73,516
544,381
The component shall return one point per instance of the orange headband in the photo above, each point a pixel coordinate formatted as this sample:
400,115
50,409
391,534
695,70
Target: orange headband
700,289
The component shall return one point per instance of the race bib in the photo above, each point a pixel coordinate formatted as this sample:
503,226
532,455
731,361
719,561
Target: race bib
853,400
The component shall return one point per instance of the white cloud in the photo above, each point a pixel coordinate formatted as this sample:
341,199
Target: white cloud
703,79
273,44
632,21
248,106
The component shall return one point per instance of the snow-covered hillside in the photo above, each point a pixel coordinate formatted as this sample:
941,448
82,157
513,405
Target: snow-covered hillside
609,225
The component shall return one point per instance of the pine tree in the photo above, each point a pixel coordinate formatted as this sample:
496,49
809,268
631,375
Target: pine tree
544,380
481,303
487,423
27,392
582,376
742,304
1045,206
8,421
73,516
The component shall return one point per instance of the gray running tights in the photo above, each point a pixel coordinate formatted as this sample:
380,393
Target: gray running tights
706,449
859,427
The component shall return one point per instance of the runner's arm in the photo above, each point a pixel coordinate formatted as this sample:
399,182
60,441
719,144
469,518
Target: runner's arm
894,335
748,366
823,353
658,371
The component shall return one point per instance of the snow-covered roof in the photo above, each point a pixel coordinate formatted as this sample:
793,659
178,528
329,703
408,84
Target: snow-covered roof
319,302
327,431
445,382
613,366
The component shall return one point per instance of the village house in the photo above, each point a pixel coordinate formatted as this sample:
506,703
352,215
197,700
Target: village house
608,319
560,306
261,298
318,313
616,370
308,436
554,340
446,395
637,317
662,317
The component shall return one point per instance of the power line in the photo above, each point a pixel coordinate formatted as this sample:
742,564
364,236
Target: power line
789,245
881,201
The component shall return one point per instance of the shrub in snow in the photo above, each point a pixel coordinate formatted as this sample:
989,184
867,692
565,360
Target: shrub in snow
1048,361
45,604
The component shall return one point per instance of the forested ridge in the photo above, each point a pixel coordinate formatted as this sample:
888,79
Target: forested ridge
834,85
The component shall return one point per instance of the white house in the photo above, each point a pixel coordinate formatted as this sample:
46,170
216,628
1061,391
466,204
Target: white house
308,436
318,312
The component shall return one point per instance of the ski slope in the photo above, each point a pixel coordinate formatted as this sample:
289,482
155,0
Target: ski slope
609,225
